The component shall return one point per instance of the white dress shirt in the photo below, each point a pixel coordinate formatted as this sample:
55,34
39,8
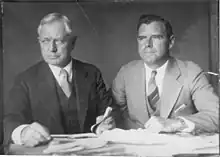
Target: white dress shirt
16,134
159,81
158,78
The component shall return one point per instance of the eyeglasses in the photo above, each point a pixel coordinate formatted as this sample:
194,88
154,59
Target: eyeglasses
58,41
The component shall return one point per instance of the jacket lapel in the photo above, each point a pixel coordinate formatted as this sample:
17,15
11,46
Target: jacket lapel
48,94
171,88
80,84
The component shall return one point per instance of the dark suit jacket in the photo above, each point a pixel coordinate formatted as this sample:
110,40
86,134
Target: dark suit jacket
184,83
34,98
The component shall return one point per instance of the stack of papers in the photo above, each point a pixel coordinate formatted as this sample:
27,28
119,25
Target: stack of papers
169,143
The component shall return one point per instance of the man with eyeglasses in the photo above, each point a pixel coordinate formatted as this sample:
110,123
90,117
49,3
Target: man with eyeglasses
59,95
160,93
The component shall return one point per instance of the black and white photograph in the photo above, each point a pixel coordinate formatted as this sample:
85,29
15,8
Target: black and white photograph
110,78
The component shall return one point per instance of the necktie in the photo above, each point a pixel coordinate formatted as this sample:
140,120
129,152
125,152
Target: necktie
153,93
64,83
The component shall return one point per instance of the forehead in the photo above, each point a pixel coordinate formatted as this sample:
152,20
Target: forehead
53,29
155,27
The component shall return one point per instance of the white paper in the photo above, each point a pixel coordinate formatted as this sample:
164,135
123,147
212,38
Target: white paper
166,143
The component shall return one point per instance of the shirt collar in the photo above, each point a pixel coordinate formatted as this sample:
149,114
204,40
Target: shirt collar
56,69
160,70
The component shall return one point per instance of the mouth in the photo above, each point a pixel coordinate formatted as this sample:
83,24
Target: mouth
52,57
149,52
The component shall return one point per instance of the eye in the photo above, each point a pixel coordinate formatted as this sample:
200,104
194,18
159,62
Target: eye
141,37
45,40
157,36
59,41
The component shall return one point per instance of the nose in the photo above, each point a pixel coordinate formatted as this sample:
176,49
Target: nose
53,46
148,42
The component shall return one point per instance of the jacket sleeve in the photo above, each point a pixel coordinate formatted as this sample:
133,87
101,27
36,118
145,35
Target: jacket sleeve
103,95
16,109
120,102
205,100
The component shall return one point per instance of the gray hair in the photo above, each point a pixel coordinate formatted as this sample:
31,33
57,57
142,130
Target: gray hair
55,17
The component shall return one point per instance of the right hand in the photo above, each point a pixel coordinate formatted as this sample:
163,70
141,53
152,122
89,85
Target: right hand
107,124
35,134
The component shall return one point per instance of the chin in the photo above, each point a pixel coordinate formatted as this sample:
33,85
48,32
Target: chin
54,62
149,60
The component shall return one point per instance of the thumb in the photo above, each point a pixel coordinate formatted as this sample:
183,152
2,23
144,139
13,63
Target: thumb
99,119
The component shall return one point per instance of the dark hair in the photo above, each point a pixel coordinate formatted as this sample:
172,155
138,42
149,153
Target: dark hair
148,18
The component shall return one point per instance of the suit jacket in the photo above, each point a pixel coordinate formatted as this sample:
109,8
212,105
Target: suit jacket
184,83
34,98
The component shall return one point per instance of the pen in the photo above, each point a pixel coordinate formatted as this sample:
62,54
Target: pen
107,113
212,73
105,116
180,108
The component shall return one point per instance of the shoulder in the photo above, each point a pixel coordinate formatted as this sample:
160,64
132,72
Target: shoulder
86,67
32,72
131,66
189,68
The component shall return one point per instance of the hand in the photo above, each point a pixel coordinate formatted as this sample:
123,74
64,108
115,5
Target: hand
107,124
159,124
35,134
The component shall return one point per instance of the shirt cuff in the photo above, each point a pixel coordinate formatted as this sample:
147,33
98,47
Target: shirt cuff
16,134
190,125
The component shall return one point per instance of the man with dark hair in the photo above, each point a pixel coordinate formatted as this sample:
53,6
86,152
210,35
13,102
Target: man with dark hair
160,93
60,95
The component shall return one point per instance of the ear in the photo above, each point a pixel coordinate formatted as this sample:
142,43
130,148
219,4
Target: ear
72,41
172,40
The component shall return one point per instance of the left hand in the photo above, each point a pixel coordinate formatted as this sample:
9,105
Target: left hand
159,124
107,124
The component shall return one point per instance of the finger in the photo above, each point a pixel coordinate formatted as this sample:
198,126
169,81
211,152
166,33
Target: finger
108,120
154,128
151,121
26,137
148,123
41,129
37,136
31,142
99,119
152,125
101,128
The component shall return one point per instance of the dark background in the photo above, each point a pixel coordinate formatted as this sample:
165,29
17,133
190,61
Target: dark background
107,33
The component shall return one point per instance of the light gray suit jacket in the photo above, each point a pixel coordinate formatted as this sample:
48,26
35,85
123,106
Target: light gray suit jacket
184,83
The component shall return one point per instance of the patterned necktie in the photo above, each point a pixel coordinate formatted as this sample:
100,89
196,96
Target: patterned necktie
64,83
153,93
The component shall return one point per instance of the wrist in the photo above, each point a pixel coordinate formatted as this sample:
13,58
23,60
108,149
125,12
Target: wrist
181,124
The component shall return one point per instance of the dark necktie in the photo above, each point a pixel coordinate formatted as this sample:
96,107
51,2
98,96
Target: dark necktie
153,93
64,83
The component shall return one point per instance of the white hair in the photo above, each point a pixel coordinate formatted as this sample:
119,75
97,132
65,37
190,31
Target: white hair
55,17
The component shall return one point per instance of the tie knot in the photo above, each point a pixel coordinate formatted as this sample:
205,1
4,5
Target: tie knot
63,73
153,73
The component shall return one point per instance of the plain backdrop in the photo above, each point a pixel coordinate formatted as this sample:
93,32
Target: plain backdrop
106,33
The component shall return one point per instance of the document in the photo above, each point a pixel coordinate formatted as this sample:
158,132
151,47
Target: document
61,145
166,143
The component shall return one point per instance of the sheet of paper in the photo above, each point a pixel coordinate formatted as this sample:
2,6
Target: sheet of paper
167,143
83,135
62,145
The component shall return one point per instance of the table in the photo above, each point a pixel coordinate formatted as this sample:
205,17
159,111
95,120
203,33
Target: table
122,149
112,149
